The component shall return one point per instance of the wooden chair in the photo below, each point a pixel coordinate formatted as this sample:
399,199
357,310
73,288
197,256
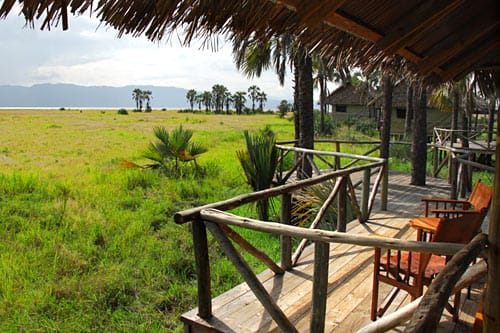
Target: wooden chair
479,199
411,271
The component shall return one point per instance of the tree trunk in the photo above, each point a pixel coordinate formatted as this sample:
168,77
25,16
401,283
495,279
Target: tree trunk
322,93
492,298
306,125
385,133
419,144
296,97
409,111
455,113
491,119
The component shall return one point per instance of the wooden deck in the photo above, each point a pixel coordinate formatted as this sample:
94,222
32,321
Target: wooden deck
350,278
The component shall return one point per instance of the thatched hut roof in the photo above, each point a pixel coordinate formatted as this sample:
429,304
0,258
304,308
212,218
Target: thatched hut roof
432,40
347,94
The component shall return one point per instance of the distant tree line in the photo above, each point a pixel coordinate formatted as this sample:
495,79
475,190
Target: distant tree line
220,100
141,96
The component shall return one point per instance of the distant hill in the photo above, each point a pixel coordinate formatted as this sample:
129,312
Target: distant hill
74,96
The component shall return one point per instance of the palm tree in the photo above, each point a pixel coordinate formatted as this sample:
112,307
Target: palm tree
325,71
218,94
262,99
228,100
191,97
239,99
147,96
253,93
207,100
137,97
199,100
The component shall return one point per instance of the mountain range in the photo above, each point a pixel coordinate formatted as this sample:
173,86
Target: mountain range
74,96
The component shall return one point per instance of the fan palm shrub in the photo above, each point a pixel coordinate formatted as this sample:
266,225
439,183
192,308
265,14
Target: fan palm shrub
172,148
259,163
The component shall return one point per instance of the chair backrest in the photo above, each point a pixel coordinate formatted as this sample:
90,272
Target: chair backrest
460,229
481,196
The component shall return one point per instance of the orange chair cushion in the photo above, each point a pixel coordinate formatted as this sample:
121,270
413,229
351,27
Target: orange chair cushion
435,265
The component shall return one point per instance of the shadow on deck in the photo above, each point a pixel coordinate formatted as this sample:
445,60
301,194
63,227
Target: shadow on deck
349,278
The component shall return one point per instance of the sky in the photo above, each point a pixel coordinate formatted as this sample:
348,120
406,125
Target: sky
89,54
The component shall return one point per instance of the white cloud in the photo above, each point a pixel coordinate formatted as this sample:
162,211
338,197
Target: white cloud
89,54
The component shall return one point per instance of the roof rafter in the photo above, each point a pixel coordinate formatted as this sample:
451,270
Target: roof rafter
450,47
315,15
432,11
469,60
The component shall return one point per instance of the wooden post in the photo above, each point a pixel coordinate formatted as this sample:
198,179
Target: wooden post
385,187
253,282
453,175
366,194
320,286
342,206
286,241
337,158
435,160
202,269
492,298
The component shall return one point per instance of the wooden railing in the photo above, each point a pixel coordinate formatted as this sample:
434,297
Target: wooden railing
460,138
457,149
215,220
342,190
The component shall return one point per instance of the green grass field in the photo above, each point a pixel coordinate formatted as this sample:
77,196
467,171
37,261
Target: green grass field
88,246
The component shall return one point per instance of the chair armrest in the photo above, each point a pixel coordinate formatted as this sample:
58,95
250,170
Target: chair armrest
445,200
454,211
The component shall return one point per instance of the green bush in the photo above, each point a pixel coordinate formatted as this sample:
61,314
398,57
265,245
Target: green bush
122,111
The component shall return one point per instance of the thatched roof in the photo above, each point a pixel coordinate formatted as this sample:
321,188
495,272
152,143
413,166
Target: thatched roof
433,40
347,94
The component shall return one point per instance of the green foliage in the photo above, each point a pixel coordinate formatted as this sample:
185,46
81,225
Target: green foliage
284,108
259,163
172,148
310,201
329,124
122,111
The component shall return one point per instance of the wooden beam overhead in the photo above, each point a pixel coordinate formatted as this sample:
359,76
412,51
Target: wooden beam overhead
425,15
453,44
316,15
470,60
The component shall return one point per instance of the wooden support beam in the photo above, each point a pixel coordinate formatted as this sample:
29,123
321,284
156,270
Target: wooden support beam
317,219
221,217
252,250
366,194
342,206
200,245
426,317
455,43
286,241
320,286
253,282
426,14
471,59
313,13
354,200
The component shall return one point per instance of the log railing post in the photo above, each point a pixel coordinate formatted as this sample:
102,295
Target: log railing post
385,187
366,194
337,158
320,286
286,241
202,269
342,205
453,175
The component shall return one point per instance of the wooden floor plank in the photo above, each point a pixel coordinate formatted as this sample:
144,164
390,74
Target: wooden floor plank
349,278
